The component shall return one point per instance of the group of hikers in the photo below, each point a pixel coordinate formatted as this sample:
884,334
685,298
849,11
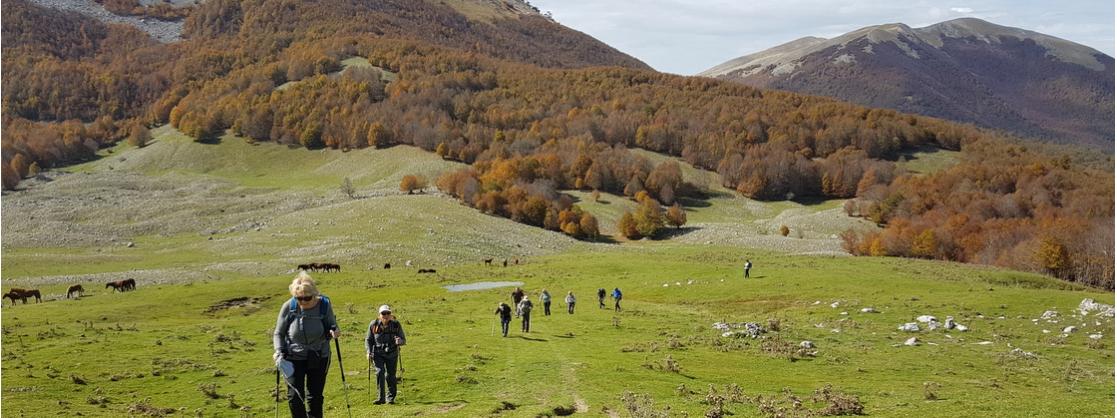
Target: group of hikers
303,331
523,307
306,324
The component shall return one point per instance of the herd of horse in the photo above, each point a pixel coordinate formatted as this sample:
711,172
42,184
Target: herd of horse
326,267
489,262
75,291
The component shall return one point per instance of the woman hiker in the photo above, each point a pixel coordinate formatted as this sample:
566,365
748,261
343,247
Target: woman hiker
385,336
545,297
302,337
570,302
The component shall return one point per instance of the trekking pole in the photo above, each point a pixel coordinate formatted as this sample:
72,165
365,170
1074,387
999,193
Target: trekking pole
370,377
343,384
277,391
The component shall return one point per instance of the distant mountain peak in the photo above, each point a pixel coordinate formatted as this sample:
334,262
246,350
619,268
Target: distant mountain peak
965,69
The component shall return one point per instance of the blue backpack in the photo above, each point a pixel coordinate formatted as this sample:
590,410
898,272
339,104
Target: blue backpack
323,309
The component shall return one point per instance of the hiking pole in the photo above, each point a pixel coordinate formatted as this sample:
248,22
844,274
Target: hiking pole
276,391
370,377
344,385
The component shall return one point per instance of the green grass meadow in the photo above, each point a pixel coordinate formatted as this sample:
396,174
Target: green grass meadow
195,338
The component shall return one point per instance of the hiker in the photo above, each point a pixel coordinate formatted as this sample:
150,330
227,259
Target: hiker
545,297
382,342
570,302
617,299
302,337
525,311
517,296
601,298
505,313
748,266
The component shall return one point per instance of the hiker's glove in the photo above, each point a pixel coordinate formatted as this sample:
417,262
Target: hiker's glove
335,333
278,355
369,356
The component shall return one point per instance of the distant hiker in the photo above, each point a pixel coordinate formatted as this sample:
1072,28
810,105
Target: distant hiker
505,313
748,266
601,298
545,297
570,302
382,342
617,299
303,330
525,312
517,296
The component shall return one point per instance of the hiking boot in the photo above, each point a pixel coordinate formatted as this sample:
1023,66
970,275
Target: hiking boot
378,402
392,402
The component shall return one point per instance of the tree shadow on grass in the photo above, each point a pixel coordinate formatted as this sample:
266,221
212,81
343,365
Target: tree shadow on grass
672,232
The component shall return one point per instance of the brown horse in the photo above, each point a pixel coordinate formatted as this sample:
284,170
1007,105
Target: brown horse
488,261
122,285
23,294
75,289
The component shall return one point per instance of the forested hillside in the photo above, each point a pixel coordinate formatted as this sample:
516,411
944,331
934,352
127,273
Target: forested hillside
531,123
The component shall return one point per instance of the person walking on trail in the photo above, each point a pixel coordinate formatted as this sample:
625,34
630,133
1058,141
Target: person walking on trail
517,296
385,336
505,313
617,299
570,302
545,297
601,298
303,330
748,266
525,312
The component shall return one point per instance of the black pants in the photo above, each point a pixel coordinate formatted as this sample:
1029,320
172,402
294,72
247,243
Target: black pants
746,273
527,321
617,305
547,308
601,302
386,374
306,386
570,308
504,326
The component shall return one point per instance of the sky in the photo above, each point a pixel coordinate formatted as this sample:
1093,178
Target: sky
688,36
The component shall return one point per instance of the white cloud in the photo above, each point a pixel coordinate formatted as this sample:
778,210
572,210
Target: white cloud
961,10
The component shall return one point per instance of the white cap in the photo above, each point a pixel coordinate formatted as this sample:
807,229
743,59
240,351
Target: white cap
385,308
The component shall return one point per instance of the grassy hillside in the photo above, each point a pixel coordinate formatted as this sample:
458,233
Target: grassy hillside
200,226
164,346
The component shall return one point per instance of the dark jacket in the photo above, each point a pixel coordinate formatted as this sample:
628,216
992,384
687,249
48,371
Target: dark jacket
304,331
380,338
505,312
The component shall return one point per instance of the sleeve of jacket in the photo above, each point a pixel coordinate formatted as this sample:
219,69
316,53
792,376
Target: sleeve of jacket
279,337
402,337
368,337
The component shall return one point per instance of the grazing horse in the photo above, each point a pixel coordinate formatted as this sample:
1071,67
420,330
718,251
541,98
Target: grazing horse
516,262
424,271
23,294
505,262
488,261
130,284
121,285
75,289
303,267
333,267
387,266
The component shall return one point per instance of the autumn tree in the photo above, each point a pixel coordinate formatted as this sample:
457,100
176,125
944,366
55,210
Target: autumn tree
412,182
784,230
648,217
347,188
676,215
20,165
627,226
139,135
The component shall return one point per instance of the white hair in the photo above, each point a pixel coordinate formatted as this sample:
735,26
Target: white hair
303,285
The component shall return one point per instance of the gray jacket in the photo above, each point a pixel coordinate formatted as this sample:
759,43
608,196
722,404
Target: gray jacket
305,331
380,338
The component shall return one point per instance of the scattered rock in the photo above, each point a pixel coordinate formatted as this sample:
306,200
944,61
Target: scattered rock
1070,329
909,327
130,244
961,328
932,325
843,313
834,305
1023,354
984,343
869,309
1088,305
1095,336
925,318
1050,314
806,344
912,342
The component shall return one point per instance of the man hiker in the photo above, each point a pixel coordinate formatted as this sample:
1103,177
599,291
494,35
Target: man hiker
545,297
382,342
505,313
303,330
601,298
570,302
617,299
525,312
517,296
748,266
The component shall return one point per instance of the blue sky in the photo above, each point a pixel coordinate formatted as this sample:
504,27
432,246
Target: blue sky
688,36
